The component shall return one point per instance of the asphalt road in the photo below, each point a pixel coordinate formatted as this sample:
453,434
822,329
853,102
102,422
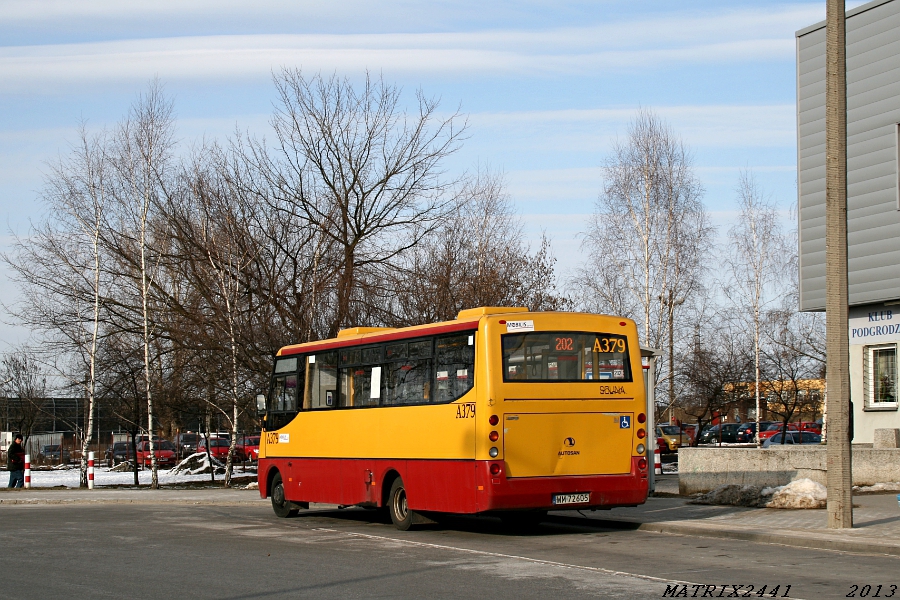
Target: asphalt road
224,552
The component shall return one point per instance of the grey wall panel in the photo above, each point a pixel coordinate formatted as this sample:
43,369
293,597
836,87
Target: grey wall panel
873,101
886,92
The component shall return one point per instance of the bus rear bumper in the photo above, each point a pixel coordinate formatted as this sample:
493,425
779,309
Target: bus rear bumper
606,491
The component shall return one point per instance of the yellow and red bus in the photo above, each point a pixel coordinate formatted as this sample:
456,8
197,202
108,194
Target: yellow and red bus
501,411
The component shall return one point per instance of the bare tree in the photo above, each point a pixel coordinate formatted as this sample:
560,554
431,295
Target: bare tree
24,390
648,235
478,257
757,250
714,366
142,160
59,266
365,174
791,368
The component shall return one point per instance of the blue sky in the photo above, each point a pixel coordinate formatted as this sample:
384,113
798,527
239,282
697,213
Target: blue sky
547,85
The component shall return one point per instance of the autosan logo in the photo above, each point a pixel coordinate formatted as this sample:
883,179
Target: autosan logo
569,442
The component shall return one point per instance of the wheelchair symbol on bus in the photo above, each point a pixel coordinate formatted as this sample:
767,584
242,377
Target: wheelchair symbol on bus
625,422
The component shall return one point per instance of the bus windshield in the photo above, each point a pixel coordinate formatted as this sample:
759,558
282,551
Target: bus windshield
565,356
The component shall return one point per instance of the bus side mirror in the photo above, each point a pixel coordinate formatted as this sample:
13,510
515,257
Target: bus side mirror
261,404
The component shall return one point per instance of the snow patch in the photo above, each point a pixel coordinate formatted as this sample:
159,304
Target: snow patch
802,493
253,485
892,486
198,463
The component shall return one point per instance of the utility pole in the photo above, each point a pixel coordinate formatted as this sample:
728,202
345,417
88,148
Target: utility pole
670,303
839,475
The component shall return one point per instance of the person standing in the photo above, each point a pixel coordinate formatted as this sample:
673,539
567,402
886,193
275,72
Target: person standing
16,461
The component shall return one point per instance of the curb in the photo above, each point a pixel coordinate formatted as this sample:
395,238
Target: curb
794,538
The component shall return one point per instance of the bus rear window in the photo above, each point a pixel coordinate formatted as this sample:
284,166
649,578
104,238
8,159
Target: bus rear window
565,356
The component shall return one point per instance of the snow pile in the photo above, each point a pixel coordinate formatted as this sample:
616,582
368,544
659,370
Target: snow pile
731,495
123,467
198,463
802,493
253,485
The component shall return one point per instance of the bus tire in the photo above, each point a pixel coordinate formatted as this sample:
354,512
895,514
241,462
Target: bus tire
398,507
282,506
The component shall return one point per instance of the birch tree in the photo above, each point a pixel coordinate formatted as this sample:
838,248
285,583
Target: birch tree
59,268
757,249
143,160
647,239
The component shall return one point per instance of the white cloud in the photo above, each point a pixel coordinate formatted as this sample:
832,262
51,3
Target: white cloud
616,44
716,126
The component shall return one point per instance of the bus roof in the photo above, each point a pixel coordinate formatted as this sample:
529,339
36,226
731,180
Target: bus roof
465,320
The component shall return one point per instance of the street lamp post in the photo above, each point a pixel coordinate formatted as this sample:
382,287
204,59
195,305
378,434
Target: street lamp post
670,302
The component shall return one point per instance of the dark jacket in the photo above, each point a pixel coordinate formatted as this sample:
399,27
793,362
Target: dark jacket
15,457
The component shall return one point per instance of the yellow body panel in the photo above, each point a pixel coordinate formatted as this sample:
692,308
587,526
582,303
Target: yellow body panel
540,445
440,431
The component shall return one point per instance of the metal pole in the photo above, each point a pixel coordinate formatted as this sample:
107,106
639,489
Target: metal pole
839,475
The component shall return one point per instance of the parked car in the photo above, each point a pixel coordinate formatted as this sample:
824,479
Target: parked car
54,453
186,443
673,436
248,448
218,447
810,426
793,437
165,453
725,433
118,453
746,432
776,428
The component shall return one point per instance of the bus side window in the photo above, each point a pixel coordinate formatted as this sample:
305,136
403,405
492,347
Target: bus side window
321,381
408,382
454,366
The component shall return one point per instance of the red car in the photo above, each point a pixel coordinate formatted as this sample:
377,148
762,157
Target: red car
775,428
165,453
248,448
218,447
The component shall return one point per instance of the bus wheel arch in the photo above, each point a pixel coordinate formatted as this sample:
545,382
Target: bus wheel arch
386,484
270,475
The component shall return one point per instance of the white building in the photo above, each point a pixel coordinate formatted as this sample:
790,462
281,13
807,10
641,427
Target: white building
873,201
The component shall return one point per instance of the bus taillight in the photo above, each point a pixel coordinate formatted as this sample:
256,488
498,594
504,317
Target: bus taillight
494,436
642,418
494,420
641,433
642,463
495,469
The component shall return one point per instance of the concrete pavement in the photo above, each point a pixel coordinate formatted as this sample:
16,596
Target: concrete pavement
876,522
876,517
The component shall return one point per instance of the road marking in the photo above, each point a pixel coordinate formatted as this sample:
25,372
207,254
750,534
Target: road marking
538,561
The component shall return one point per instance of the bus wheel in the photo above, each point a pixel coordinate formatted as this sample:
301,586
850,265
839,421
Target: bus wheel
281,505
398,507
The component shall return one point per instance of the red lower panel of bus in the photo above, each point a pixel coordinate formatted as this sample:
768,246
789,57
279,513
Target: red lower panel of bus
453,486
